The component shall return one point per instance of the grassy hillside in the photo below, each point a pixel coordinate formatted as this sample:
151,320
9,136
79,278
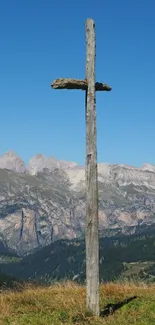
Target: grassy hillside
7,282
65,304
124,256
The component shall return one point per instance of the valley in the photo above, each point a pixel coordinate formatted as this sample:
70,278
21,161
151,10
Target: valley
122,258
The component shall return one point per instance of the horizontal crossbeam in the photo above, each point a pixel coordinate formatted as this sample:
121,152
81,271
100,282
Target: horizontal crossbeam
63,83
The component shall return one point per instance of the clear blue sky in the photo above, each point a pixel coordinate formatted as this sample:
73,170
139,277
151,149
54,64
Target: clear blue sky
41,40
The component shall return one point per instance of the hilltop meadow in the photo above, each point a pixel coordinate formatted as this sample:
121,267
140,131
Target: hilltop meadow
39,288
120,303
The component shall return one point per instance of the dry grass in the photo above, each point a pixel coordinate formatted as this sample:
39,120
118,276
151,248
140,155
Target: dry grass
65,304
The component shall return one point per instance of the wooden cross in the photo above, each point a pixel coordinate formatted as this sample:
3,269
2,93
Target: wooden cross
92,228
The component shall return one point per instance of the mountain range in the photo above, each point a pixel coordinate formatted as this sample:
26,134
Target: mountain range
45,200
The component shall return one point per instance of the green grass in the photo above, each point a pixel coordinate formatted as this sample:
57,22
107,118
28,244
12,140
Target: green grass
65,304
4,259
133,269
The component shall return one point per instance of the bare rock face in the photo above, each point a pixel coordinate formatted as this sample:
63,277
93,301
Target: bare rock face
54,163
34,211
10,160
46,201
24,232
39,162
149,167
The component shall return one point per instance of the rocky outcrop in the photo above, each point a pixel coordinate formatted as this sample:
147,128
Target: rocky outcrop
46,200
10,160
40,162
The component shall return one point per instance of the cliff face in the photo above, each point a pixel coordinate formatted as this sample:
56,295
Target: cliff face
46,200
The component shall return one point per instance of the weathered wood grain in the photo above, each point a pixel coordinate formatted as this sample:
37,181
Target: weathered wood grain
63,83
92,236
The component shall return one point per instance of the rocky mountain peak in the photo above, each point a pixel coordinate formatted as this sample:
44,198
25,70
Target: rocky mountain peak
10,153
34,211
107,173
149,167
37,164
52,162
40,162
10,160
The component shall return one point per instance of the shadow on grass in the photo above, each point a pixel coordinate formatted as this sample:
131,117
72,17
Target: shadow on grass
109,309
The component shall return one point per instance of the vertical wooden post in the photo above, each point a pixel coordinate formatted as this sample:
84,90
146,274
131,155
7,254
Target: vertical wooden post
92,236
